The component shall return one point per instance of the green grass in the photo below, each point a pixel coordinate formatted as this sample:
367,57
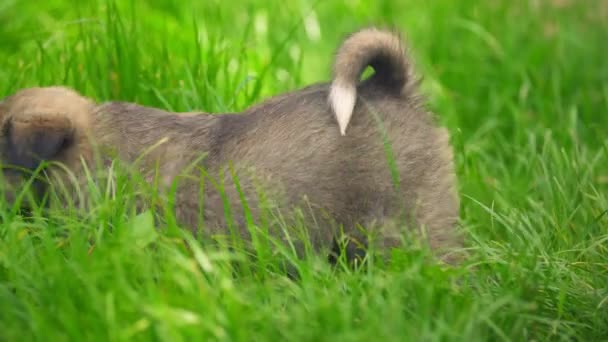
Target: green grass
522,86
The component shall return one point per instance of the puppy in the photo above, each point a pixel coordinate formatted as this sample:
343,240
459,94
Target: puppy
355,153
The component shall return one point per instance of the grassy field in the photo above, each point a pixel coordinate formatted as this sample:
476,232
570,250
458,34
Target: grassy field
522,86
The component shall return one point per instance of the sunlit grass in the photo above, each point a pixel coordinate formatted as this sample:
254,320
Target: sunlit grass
521,85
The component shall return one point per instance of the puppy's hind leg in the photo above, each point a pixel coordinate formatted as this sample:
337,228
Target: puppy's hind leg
362,236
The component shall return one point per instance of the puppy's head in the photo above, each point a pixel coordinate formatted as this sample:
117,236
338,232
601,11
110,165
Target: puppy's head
38,125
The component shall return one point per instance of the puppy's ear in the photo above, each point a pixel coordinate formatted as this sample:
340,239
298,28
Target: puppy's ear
29,142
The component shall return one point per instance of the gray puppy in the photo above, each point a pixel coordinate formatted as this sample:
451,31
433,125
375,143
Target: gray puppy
353,153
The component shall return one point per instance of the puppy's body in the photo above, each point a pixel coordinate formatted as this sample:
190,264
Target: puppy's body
324,143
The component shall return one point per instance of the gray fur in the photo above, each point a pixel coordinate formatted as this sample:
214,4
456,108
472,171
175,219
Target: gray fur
290,146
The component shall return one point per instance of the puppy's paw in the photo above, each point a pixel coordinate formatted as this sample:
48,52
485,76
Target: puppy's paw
44,124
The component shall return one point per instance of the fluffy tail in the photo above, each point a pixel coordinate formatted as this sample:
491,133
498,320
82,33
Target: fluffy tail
384,52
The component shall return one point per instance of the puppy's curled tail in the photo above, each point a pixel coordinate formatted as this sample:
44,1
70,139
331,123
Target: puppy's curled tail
384,52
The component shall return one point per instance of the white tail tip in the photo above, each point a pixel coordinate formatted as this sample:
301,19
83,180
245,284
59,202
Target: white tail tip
342,100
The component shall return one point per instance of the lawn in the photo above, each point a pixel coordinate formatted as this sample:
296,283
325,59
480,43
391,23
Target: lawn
521,85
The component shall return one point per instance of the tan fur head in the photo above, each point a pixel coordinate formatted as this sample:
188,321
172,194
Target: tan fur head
42,124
